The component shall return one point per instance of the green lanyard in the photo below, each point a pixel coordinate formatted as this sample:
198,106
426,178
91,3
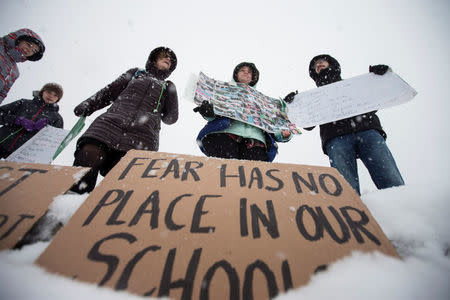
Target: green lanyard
160,95
1,142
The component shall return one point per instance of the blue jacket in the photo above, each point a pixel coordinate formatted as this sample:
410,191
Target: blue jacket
221,123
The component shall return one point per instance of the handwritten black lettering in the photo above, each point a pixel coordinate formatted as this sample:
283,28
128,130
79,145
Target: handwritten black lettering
185,283
14,226
148,171
122,283
311,185
338,187
256,175
272,287
188,169
153,199
130,165
174,168
233,280
269,223
224,176
198,212
168,218
243,216
28,173
318,233
357,226
277,180
112,261
103,203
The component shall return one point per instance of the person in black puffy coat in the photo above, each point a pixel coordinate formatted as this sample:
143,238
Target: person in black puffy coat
22,119
361,136
140,99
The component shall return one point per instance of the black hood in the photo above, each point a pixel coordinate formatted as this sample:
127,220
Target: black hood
33,39
325,76
151,67
255,72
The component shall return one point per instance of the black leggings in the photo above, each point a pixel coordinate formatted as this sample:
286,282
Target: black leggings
99,158
223,146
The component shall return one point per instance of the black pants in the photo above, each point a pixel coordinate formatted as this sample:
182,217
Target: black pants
96,155
223,146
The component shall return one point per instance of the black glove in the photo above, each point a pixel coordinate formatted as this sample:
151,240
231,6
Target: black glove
290,97
206,109
378,69
82,109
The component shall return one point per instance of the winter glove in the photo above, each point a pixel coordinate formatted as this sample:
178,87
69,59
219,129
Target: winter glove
25,123
290,97
378,69
206,109
82,109
41,123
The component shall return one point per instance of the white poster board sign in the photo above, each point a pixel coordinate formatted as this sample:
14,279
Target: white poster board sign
348,98
41,147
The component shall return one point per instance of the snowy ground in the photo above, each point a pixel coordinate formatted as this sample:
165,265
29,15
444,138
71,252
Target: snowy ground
419,232
90,43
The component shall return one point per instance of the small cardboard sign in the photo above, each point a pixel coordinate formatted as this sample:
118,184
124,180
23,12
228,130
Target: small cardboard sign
26,191
190,227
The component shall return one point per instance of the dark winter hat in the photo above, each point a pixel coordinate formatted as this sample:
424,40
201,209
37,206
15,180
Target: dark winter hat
255,72
326,76
38,55
150,65
53,87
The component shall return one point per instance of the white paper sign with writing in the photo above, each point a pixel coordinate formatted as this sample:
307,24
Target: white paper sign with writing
348,98
41,147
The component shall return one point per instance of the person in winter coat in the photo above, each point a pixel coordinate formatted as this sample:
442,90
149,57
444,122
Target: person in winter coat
22,119
140,99
227,138
361,136
16,47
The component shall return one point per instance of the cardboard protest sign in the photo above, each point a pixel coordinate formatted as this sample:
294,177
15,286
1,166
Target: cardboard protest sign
26,191
189,227
41,147
243,103
348,98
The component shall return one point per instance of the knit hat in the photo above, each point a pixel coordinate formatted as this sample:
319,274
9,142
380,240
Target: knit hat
53,87
255,72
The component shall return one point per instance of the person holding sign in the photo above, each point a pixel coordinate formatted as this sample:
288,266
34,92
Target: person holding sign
227,138
22,119
141,99
18,46
361,136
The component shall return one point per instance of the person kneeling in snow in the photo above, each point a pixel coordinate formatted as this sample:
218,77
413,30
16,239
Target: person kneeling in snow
360,136
22,119
140,99
227,138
